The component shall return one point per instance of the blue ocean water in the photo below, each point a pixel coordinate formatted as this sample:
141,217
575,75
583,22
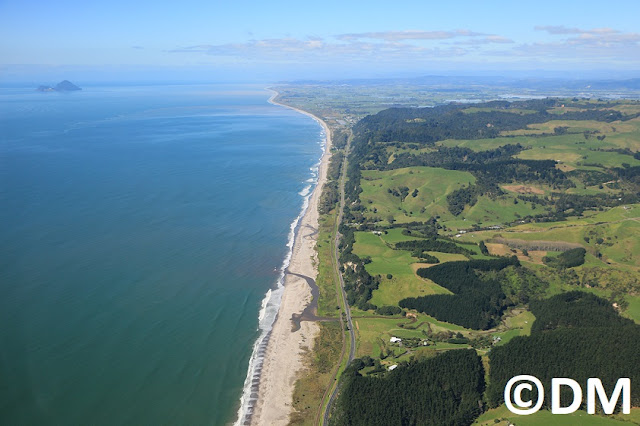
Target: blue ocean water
140,228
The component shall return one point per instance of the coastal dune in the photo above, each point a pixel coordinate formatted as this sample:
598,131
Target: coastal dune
283,358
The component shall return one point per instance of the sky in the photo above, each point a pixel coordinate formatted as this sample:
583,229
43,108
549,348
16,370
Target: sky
282,39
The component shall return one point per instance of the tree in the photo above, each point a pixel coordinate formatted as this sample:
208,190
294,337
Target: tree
404,191
483,248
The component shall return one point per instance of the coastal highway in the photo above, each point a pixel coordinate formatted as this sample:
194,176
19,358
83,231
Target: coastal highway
336,244
343,295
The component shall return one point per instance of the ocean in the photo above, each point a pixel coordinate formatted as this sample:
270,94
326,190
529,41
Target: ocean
140,228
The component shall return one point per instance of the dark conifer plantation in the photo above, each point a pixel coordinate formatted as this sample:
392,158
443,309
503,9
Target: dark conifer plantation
576,335
476,303
441,391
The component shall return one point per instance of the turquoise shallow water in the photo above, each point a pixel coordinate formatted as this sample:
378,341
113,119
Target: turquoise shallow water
139,231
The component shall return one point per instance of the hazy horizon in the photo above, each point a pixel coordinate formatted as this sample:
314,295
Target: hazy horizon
201,41
163,77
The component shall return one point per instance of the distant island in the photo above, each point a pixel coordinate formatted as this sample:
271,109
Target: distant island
63,86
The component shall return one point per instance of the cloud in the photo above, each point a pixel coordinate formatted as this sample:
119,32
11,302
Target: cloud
557,29
408,35
260,47
573,46
497,39
579,46
592,44
597,37
562,30
490,39
401,46
316,48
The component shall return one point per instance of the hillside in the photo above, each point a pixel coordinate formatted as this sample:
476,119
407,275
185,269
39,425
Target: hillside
470,218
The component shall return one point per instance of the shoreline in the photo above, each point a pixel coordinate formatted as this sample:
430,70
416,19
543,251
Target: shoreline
282,349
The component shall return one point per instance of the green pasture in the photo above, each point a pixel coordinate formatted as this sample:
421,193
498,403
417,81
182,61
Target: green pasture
385,260
573,126
571,148
610,279
517,325
614,233
395,235
627,135
512,111
522,320
395,151
326,279
577,157
633,311
576,150
615,214
488,143
501,416
374,333
491,212
433,185
628,108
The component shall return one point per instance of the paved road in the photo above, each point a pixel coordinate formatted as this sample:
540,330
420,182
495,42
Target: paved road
336,256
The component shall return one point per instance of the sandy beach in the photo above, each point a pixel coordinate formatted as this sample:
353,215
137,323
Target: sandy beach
284,354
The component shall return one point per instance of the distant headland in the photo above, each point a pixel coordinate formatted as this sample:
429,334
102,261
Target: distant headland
63,86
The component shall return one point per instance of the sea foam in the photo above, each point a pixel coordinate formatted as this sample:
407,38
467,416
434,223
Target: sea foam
270,306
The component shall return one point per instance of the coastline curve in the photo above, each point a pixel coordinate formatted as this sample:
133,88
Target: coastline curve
271,376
